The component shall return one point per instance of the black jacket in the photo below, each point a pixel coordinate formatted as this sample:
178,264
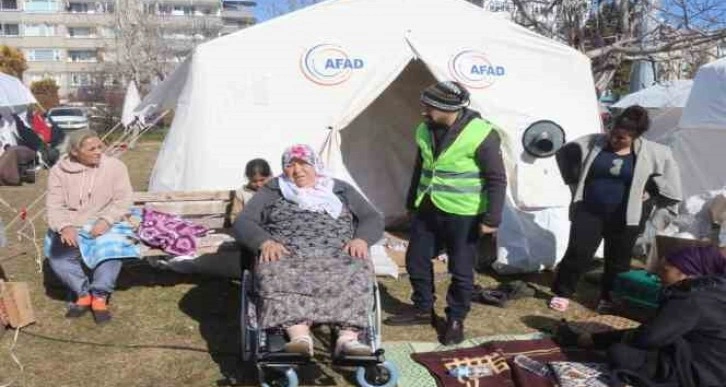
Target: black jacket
489,159
249,231
689,331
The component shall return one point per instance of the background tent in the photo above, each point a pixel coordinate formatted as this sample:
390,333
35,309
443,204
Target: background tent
345,75
665,103
699,141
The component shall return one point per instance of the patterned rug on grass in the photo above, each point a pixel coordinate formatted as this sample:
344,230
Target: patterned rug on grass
414,374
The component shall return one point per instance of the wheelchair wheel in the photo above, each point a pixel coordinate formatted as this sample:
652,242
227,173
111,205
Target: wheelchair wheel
379,375
248,335
281,379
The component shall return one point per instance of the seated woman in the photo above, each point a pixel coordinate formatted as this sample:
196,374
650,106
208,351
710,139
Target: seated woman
685,343
258,173
85,186
313,233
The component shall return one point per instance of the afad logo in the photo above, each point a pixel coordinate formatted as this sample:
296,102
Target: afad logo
329,65
473,69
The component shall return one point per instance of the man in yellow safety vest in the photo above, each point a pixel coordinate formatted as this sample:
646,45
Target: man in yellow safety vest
456,195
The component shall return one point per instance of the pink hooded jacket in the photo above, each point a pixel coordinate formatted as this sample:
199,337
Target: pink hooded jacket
78,193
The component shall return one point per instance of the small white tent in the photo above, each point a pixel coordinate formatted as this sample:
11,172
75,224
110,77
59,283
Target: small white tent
345,75
665,103
699,141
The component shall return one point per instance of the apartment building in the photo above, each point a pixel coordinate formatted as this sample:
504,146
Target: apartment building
74,42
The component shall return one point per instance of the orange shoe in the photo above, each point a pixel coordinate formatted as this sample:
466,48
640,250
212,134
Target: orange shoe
80,307
99,307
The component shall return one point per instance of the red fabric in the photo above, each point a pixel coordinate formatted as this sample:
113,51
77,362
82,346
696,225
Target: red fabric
502,354
41,127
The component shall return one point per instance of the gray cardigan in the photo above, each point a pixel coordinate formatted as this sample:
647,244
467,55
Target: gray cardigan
654,167
248,228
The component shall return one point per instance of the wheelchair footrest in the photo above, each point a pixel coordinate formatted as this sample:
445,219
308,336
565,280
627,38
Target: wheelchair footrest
272,359
356,361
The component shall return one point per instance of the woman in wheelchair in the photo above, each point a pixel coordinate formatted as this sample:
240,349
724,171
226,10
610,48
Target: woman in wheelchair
312,233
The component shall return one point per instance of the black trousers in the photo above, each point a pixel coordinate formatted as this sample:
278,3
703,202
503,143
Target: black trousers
432,229
588,229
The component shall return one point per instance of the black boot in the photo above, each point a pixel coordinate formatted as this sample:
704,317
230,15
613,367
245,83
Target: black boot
454,333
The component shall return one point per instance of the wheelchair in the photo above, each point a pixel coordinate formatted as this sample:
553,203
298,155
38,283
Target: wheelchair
265,347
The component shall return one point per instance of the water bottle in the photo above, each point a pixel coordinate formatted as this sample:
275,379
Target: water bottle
471,372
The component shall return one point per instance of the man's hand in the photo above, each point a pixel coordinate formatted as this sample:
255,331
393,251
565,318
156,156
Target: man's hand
487,230
69,236
100,228
357,248
271,251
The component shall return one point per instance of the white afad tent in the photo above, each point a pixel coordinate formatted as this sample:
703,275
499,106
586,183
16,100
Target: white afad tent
346,75
699,141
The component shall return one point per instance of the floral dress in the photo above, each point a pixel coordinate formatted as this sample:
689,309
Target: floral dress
318,282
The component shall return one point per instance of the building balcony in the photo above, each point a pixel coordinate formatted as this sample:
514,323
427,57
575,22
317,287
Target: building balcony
64,66
75,19
60,42
195,3
189,21
241,15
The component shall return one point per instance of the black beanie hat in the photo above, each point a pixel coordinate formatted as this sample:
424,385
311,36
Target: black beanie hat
447,96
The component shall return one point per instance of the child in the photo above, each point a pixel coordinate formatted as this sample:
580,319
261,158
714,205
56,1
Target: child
258,172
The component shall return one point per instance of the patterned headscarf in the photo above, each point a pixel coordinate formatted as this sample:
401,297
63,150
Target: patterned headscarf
319,198
699,261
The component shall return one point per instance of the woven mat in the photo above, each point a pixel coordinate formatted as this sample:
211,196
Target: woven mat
603,323
414,374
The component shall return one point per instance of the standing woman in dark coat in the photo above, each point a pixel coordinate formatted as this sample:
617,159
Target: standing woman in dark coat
684,345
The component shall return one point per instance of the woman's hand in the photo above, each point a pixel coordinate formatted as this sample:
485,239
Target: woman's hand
69,236
357,248
100,228
271,251
486,230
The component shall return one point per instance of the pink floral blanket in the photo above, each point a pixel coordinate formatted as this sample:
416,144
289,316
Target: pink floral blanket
170,233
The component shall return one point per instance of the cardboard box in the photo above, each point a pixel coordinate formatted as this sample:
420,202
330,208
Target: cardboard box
16,309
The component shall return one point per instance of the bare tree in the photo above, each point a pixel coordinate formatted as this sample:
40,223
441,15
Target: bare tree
148,44
612,32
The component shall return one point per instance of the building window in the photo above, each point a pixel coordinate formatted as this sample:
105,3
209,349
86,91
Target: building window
81,79
36,77
9,5
41,6
80,32
38,30
43,55
107,32
82,56
9,30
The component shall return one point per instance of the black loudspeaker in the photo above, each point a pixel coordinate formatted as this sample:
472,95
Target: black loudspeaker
543,139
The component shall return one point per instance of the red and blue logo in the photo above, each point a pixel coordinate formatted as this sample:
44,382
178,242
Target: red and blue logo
329,65
473,69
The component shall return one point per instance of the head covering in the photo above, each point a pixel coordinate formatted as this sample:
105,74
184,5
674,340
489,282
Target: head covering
447,96
699,261
320,197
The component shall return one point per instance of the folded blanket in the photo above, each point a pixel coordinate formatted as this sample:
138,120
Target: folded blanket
118,242
170,233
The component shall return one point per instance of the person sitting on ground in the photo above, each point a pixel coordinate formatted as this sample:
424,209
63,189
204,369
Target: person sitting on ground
85,186
615,177
258,173
685,343
312,233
